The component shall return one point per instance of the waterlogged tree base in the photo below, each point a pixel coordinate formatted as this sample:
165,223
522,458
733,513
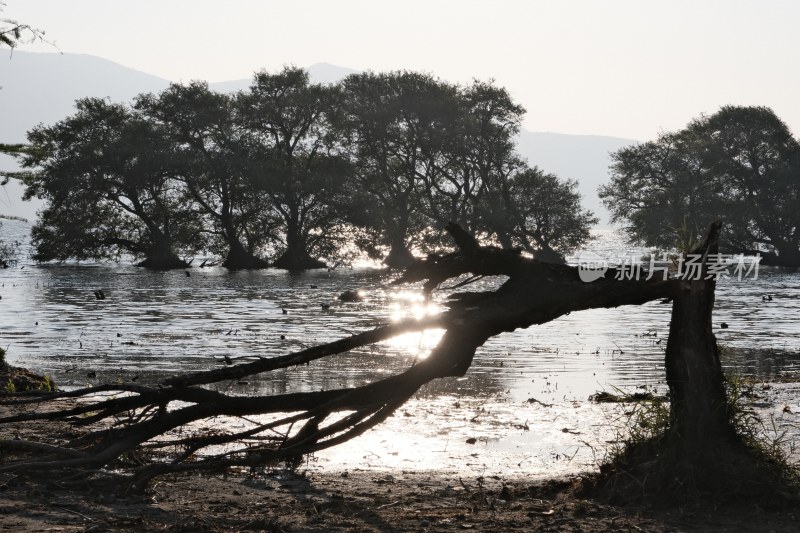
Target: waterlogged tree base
243,261
170,423
298,262
163,262
700,456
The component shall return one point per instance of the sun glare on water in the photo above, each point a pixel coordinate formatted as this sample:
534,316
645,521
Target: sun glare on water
411,304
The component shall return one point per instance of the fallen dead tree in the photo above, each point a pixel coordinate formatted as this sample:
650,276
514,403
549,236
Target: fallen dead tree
128,420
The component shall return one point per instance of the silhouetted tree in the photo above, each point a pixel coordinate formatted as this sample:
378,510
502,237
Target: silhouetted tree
283,167
661,185
215,171
292,161
740,164
546,213
757,161
480,159
484,185
390,125
107,176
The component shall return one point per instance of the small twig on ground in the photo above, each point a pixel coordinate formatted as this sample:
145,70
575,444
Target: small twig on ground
76,513
384,506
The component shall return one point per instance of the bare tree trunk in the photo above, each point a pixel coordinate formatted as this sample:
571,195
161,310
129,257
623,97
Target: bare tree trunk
699,410
399,255
699,407
700,425
296,257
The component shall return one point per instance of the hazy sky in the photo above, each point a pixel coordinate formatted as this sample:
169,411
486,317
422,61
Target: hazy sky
623,68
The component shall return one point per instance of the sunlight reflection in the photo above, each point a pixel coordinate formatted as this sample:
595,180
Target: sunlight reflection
418,344
412,304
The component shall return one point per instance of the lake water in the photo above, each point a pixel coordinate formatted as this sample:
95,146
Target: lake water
154,324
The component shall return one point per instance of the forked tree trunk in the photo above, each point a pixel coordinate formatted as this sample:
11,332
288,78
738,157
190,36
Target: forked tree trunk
399,255
296,257
238,257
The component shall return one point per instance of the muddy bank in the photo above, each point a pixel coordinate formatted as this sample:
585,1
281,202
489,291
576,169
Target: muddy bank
354,501
347,500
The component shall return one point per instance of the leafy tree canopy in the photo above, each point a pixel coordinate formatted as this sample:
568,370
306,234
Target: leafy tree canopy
107,175
292,171
740,164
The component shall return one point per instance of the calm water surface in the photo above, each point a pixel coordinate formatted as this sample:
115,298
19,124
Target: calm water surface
154,324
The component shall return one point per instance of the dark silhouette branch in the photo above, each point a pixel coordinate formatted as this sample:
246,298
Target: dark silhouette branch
126,418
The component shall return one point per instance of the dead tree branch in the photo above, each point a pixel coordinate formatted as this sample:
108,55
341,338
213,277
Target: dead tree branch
162,421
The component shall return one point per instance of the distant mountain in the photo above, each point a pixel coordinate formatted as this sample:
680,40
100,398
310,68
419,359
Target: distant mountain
581,157
327,73
42,88
38,88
